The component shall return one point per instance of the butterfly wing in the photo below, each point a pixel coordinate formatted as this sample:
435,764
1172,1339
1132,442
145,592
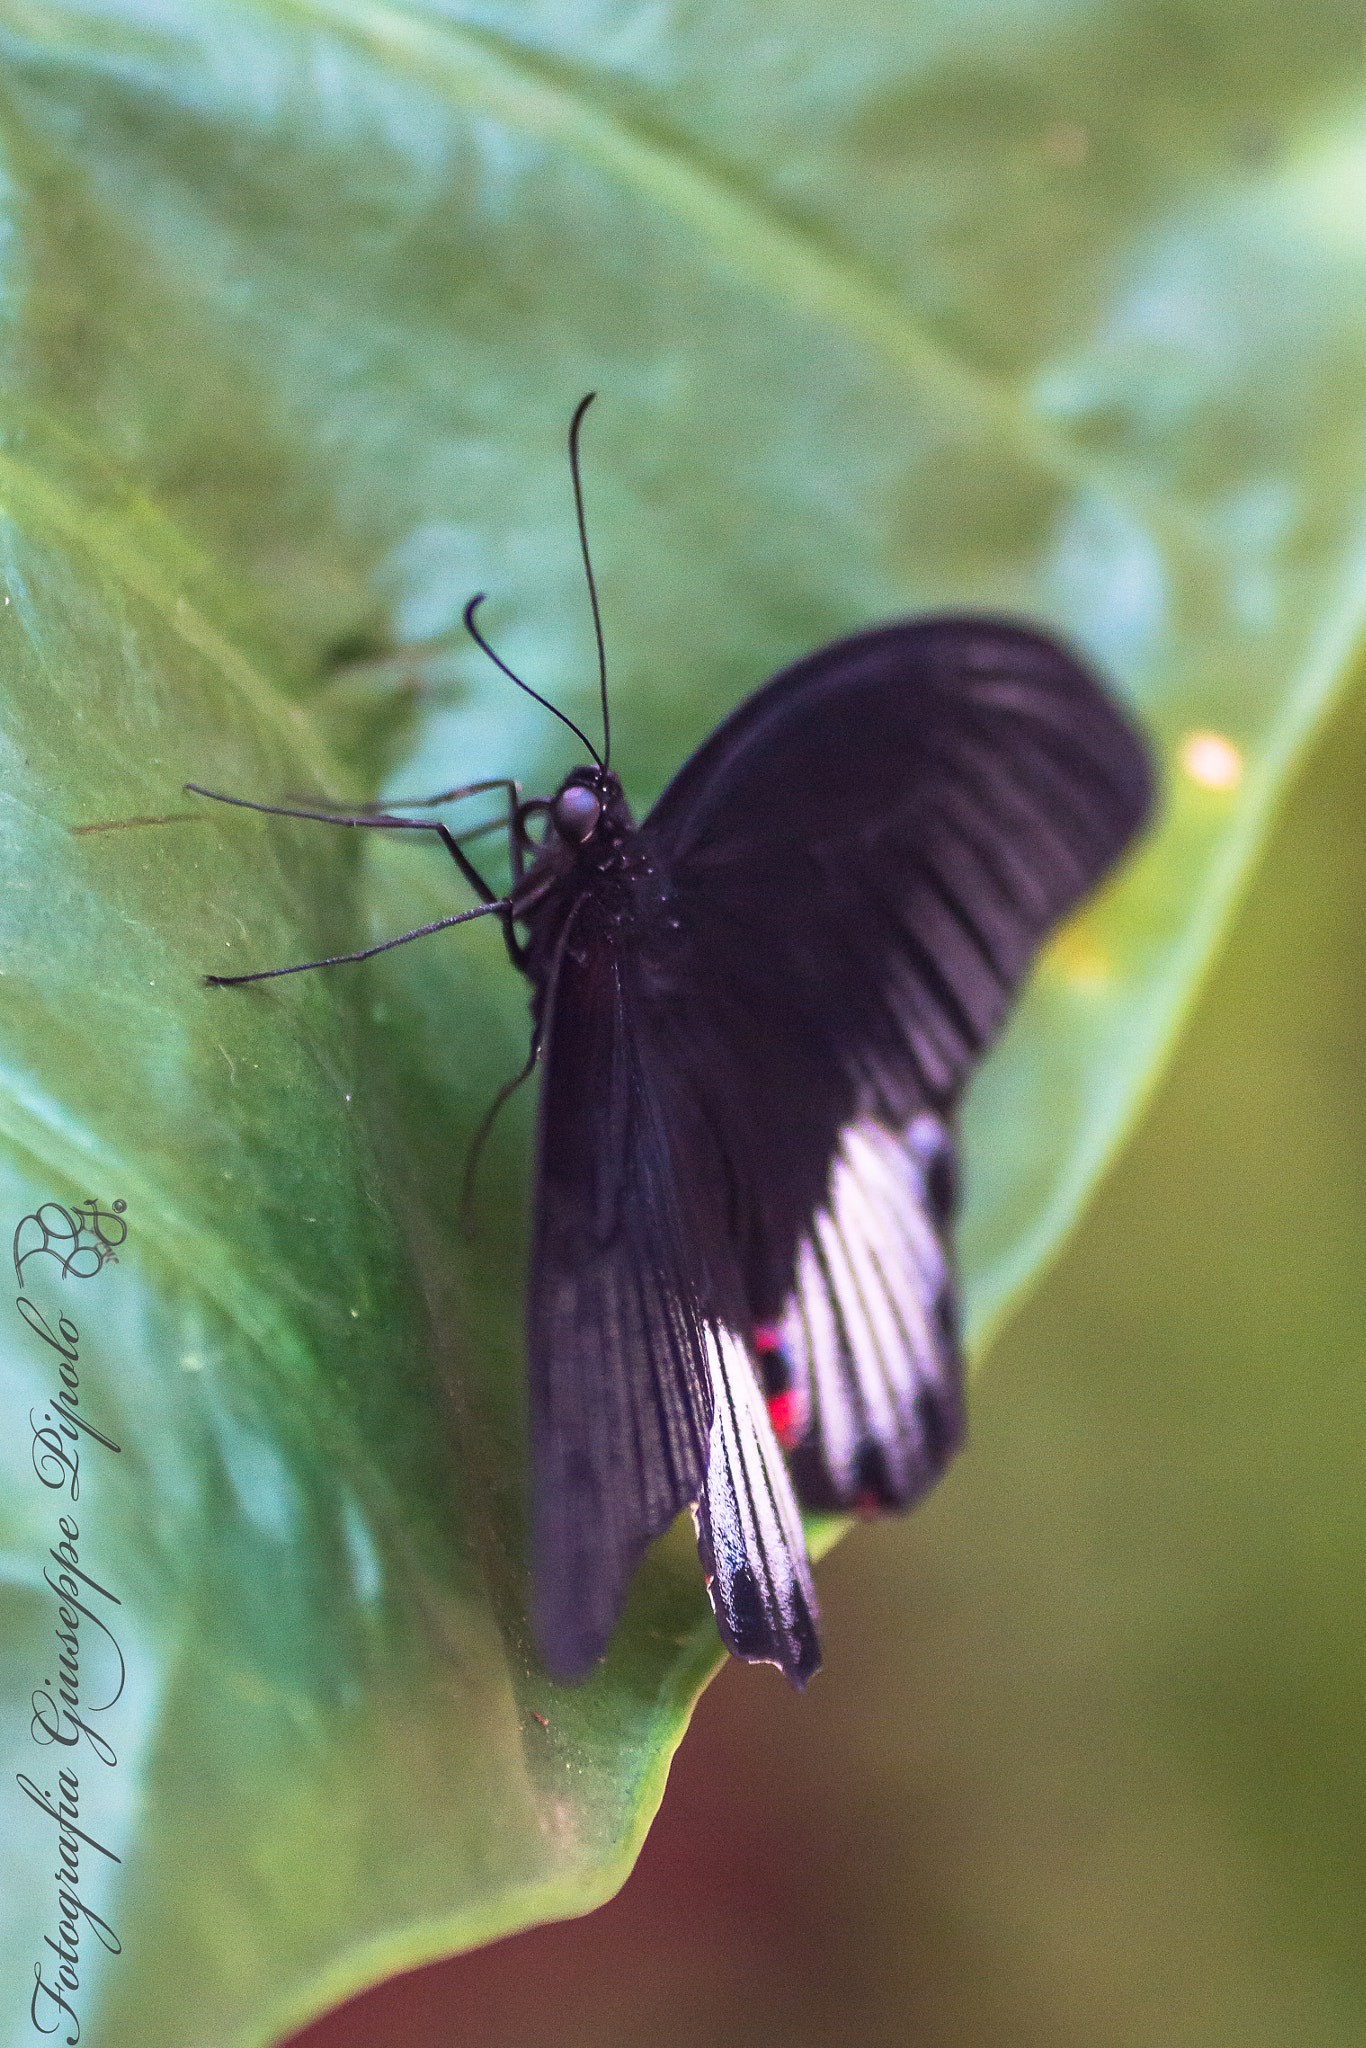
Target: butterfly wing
643,1397
863,1369
861,863
746,1166
749,1528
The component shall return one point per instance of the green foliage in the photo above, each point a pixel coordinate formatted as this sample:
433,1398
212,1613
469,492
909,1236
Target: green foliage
1052,310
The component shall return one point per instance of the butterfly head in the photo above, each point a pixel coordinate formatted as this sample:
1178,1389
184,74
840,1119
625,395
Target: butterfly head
589,810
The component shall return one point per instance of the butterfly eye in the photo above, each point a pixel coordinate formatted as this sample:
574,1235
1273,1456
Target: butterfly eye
576,811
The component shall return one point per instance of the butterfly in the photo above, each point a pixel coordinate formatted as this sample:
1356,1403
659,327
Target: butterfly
754,1012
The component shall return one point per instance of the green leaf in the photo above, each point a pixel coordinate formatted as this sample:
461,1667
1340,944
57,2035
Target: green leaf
1056,310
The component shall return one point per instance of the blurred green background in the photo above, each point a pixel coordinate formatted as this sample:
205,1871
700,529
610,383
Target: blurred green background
1048,306
1086,1767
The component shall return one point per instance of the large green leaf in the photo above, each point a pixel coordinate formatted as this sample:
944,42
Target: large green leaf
1054,309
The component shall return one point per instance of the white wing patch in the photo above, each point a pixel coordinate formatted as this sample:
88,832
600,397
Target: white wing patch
866,1341
749,1528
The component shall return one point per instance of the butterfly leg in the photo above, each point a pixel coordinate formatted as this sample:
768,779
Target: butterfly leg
511,822
491,904
424,803
380,821
508,1089
366,952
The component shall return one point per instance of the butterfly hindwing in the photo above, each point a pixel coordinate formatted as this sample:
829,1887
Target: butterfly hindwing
863,1366
749,1528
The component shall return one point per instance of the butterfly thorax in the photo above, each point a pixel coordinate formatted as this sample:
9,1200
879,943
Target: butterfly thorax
592,877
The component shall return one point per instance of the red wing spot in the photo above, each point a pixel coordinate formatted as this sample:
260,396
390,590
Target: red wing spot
787,1413
767,1338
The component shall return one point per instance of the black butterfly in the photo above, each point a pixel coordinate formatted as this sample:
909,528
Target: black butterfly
756,1011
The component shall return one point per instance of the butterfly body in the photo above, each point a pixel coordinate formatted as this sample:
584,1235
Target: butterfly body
591,877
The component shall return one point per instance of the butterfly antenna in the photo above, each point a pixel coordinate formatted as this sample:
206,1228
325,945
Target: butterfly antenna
498,662
574,426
